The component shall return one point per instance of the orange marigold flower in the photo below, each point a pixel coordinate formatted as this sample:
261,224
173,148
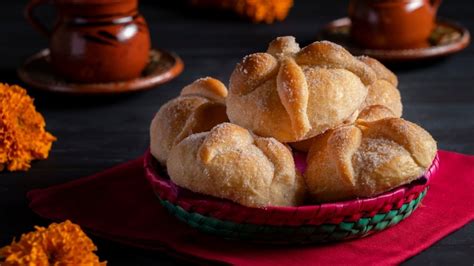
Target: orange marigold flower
22,134
257,10
59,244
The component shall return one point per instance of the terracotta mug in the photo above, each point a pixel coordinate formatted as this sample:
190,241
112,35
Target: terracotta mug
95,40
392,24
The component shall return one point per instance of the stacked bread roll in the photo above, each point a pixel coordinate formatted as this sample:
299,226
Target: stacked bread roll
343,110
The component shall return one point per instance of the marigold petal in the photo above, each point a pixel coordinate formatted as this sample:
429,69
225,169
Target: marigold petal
59,244
22,130
267,11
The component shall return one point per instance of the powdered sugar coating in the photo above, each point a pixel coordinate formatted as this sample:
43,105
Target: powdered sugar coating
367,158
199,107
292,94
229,162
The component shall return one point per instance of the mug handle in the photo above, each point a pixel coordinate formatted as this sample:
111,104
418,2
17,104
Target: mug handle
435,4
29,13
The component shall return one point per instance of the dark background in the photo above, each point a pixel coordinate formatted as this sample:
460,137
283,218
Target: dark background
97,133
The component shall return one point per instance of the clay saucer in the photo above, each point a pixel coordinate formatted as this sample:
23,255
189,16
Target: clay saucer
447,38
38,73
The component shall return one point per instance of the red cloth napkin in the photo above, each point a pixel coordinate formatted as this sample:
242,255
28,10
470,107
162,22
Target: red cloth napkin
119,204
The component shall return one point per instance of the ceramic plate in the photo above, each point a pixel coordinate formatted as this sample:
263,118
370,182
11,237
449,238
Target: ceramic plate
38,73
447,38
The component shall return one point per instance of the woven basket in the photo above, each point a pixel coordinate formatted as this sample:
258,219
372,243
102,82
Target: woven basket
288,225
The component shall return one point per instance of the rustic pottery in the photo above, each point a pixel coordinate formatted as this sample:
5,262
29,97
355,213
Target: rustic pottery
392,24
95,40
448,37
38,73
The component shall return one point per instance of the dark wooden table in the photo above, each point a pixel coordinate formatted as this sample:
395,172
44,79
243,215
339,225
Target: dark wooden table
97,133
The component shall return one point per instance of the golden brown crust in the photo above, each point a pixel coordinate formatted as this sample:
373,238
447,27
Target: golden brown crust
253,71
330,55
375,112
282,46
367,158
207,87
384,91
229,162
412,137
381,71
203,118
199,107
302,145
293,91
293,94
369,113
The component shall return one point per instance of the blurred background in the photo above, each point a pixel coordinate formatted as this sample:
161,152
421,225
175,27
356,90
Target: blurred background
95,133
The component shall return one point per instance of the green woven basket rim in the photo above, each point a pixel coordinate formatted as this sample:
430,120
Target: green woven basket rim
286,234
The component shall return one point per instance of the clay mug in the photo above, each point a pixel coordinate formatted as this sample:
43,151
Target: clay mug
95,40
392,24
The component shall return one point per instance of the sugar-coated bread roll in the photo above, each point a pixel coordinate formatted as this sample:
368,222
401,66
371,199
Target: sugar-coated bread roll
367,158
229,162
199,107
375,112
293,94
369,113
381,71
383,91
